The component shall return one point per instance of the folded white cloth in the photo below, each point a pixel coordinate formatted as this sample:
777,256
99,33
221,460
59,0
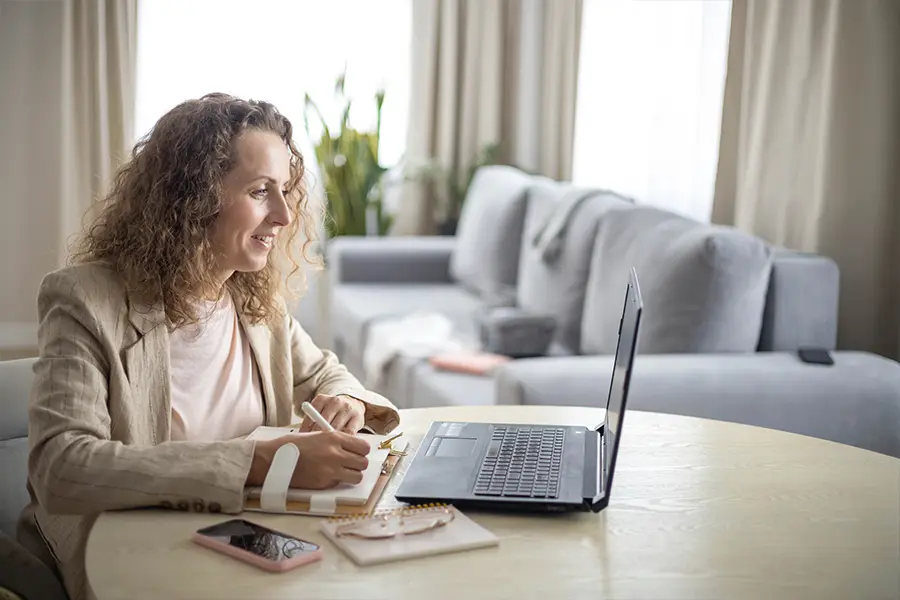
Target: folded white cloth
417,335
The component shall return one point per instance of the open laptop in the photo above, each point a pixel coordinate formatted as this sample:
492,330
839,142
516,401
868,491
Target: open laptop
529,467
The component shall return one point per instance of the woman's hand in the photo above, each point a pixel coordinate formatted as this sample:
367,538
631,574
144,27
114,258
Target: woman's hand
327,458
343,412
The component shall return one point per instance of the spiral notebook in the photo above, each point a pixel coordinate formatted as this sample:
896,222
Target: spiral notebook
342,499
459,534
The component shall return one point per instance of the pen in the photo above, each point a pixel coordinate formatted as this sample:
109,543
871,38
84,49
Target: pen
316,416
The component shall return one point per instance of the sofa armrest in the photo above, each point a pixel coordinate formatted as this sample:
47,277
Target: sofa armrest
422,259
854,402
801,303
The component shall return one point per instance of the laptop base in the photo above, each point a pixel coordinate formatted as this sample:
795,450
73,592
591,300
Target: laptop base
495,505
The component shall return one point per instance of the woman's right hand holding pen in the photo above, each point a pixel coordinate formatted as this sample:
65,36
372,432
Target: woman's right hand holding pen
326,459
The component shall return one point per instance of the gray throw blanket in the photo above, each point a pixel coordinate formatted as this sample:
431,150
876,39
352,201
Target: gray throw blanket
549,239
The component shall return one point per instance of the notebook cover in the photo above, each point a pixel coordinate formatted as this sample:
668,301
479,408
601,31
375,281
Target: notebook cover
351,499
461,534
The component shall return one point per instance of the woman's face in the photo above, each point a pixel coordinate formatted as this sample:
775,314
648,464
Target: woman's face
254,208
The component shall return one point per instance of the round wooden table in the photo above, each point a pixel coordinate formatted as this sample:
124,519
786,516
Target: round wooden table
699,509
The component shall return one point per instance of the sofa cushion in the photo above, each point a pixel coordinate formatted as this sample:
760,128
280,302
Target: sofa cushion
854,402
355,306
556,381
399,381
396,381
704,287
488,236
555,285
433,387
13,479
16,377
15,386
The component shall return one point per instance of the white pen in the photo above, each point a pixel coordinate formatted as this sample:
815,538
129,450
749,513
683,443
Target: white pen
316,416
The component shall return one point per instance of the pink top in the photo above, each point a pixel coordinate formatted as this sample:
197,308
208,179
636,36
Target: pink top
215,384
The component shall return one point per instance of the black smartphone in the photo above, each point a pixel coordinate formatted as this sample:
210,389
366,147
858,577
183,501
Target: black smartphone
815,356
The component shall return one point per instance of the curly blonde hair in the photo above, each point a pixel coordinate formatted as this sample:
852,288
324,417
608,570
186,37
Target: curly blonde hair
154,223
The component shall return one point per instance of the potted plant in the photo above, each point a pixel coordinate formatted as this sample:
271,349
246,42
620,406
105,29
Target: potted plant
351,170
452,185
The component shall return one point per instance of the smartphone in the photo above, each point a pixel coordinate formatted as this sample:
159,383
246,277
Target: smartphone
815,356
260,546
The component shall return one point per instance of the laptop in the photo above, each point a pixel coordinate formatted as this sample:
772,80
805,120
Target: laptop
540,468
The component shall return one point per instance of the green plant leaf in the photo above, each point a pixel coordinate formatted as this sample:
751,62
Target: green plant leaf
351,169
309,104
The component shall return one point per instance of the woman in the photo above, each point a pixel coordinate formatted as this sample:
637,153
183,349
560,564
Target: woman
167,340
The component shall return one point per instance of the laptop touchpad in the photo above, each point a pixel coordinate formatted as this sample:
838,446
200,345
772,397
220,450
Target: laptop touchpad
451,447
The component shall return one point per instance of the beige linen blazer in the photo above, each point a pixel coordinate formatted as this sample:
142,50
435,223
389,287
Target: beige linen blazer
99,414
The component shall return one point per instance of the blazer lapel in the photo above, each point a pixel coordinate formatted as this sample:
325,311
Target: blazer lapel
260,343
146,362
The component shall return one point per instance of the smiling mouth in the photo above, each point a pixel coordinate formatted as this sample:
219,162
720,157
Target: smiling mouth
265,240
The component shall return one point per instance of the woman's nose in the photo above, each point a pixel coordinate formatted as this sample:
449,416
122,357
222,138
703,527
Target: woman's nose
280,214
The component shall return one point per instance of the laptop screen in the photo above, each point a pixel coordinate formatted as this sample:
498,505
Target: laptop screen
621,376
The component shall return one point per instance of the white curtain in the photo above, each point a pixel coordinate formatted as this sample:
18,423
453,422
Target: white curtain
66,96
98,94
489,72
811,143
650,88
549,51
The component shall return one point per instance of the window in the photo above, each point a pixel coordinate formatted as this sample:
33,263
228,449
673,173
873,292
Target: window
648,116
278,50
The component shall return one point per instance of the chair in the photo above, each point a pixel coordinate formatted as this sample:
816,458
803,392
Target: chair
22,575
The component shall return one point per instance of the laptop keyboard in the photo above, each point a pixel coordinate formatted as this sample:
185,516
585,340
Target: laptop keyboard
522,462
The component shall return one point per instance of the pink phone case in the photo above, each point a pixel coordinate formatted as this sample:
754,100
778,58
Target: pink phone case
255,560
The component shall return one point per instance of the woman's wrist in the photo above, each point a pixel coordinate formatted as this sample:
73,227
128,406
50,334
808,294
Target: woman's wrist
259,466
361,405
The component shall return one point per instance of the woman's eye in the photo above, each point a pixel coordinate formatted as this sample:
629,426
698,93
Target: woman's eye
258,193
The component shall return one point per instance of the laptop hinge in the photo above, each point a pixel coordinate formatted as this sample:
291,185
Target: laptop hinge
595,496
601,462
601,458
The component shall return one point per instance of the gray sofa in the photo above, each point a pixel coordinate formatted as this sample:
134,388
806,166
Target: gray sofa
23,576
724,312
